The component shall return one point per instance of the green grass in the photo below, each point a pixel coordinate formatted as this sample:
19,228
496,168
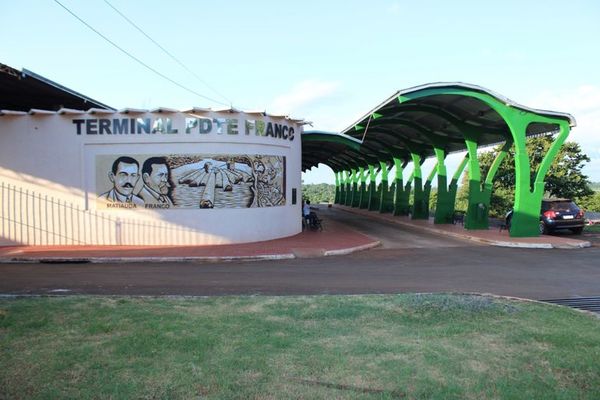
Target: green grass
321,347
592,228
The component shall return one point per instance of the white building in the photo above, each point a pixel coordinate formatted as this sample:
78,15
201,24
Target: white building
79,175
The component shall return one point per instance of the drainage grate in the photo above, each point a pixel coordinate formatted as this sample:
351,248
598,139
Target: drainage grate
582,303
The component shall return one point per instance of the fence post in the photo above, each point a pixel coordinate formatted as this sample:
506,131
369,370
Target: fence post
118,231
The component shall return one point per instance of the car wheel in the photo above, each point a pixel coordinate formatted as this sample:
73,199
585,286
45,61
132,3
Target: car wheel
543,229
577,231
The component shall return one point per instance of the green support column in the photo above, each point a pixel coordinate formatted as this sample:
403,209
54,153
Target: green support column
526,216
489,180
341,197
350,193
385,198
354,197
528,194
453,187
343,188
402,203
480,194
356,189
419,210
346,187
400,199
372,196
427,189
402,193
337,188
377,194
444,206
363,201
477,203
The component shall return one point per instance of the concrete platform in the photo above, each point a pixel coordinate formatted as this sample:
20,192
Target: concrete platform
335,239
492,236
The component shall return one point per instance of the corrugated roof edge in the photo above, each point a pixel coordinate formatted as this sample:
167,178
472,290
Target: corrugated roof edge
159,110
352,139
49,82
505,100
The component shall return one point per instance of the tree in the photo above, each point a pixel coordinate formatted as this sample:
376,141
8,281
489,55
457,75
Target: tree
590,203
318,193
564,178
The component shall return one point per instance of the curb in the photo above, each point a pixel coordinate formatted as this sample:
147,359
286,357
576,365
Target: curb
122,260
498,243
342,252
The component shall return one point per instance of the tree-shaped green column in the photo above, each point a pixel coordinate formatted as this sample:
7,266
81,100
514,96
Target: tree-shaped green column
401,193
386,201
337,187
343,192
350,187
363,201
419,210
528,200
373,203
427,189
444,212
528,194
355,188
444,206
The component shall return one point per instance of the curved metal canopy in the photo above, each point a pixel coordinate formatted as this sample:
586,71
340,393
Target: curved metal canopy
415,120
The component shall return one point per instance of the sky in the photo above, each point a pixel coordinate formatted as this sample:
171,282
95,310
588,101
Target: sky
328,62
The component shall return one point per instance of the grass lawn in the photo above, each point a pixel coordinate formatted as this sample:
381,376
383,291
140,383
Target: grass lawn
592,228
318,347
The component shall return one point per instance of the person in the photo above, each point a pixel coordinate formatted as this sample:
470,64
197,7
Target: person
309,215
156,175
124,175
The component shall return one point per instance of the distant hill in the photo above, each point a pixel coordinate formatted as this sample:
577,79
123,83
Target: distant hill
319,193
595,186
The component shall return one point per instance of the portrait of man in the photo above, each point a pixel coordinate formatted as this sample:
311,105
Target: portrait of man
156,176
124,175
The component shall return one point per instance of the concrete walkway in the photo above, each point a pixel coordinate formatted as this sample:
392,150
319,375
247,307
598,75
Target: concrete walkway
492,236
335,239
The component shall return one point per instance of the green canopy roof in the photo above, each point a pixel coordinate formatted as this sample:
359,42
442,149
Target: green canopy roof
415,119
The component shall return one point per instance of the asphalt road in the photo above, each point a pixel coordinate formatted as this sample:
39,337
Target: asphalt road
408,261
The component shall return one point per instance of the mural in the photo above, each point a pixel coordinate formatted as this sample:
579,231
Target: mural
190,181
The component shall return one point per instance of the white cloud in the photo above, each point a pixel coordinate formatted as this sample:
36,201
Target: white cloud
303,94
584,104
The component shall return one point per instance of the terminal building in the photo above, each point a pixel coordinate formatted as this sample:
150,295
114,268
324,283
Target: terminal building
76,171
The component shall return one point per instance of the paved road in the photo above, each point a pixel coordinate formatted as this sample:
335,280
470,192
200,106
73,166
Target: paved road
401,265
390,235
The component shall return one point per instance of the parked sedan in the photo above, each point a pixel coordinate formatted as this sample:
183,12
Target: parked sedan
557,214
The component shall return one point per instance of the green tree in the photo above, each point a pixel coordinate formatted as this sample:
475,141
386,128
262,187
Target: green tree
318,193
590,203
564,179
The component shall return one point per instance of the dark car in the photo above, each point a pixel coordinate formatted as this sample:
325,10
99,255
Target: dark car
557,214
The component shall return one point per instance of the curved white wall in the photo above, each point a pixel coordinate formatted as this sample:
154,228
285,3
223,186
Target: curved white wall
56,155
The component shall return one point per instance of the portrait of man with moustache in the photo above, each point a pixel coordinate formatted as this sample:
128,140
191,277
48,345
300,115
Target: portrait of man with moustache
124,175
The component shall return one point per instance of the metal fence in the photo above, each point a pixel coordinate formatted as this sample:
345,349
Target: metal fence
33,218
